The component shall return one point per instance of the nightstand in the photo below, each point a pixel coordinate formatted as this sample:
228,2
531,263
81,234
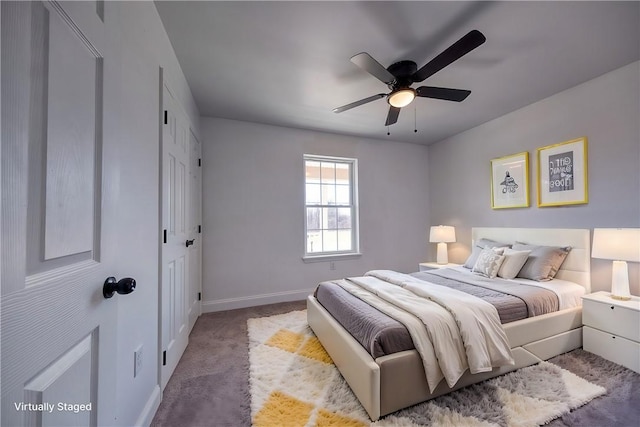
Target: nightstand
424,266
612,328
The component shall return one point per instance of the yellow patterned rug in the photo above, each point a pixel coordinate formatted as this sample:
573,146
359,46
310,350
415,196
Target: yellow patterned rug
293,382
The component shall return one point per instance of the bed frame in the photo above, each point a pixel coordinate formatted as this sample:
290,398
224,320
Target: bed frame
392,382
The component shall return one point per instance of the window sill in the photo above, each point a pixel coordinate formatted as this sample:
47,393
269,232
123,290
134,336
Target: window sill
330,257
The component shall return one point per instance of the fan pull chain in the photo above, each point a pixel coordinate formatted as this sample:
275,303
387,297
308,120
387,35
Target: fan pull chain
388,132
415,121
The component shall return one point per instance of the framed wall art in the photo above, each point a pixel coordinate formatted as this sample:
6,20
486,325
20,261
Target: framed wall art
562,173
510,181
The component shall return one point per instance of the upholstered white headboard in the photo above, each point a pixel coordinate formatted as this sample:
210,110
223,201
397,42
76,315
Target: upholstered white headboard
577,266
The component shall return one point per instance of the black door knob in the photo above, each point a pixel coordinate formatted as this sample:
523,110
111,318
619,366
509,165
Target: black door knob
190,242
122,286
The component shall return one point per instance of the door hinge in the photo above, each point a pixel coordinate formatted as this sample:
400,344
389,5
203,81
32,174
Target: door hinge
199,162
164,358
164,238
199,229
199,296
166,117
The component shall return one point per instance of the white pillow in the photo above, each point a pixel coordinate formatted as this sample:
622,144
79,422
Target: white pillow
489,262
513,262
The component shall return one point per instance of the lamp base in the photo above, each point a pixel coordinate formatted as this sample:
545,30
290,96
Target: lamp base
620,281
442,257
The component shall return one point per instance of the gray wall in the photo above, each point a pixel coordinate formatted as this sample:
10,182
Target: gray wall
253,199
606,110
142,47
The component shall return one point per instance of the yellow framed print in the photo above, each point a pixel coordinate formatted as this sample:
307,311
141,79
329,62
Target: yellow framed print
510,181
562,173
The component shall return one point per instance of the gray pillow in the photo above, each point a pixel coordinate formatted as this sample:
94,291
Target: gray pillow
543,262
479,246
489,262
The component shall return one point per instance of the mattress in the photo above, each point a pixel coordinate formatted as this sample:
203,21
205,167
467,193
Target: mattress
382,335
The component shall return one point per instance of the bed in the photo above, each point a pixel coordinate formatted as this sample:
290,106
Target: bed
394,381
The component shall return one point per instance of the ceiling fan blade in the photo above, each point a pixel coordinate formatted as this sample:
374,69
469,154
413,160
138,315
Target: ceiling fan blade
443,93
466,44
358,103
373,67
392,117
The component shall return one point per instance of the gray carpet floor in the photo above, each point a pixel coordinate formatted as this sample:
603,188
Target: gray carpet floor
210,386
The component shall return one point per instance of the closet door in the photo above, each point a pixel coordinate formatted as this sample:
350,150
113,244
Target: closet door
176,233
195,230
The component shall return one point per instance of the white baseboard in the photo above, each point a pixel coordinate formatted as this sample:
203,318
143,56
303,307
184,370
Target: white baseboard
254,300
149,410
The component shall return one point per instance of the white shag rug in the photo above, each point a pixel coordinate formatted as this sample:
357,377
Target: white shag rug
293,382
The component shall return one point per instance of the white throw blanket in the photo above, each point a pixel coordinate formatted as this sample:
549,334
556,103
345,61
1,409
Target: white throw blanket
453,331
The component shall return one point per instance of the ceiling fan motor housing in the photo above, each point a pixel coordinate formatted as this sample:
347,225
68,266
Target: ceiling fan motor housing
403,72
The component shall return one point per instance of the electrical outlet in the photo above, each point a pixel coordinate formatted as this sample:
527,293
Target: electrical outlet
332,265
137,361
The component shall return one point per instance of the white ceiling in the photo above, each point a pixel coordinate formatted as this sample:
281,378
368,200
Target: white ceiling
287,63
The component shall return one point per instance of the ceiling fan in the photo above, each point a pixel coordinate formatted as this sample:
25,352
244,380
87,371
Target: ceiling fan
401,75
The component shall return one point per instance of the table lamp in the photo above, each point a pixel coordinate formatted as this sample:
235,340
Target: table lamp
442,234
619,245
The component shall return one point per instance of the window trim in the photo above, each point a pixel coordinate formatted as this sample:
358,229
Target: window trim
355,221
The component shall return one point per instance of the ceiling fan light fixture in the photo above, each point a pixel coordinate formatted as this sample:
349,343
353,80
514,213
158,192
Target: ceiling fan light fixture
402,97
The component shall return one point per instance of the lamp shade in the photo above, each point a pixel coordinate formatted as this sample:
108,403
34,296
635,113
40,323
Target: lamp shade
442,234
617,244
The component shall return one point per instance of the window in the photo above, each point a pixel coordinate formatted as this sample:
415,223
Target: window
331,213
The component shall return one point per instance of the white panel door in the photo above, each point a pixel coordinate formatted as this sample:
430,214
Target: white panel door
58,331
195,230
175,262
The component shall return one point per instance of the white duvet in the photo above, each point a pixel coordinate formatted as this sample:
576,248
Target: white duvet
451,330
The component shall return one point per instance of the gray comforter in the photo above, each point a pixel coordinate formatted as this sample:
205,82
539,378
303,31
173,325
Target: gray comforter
380,335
